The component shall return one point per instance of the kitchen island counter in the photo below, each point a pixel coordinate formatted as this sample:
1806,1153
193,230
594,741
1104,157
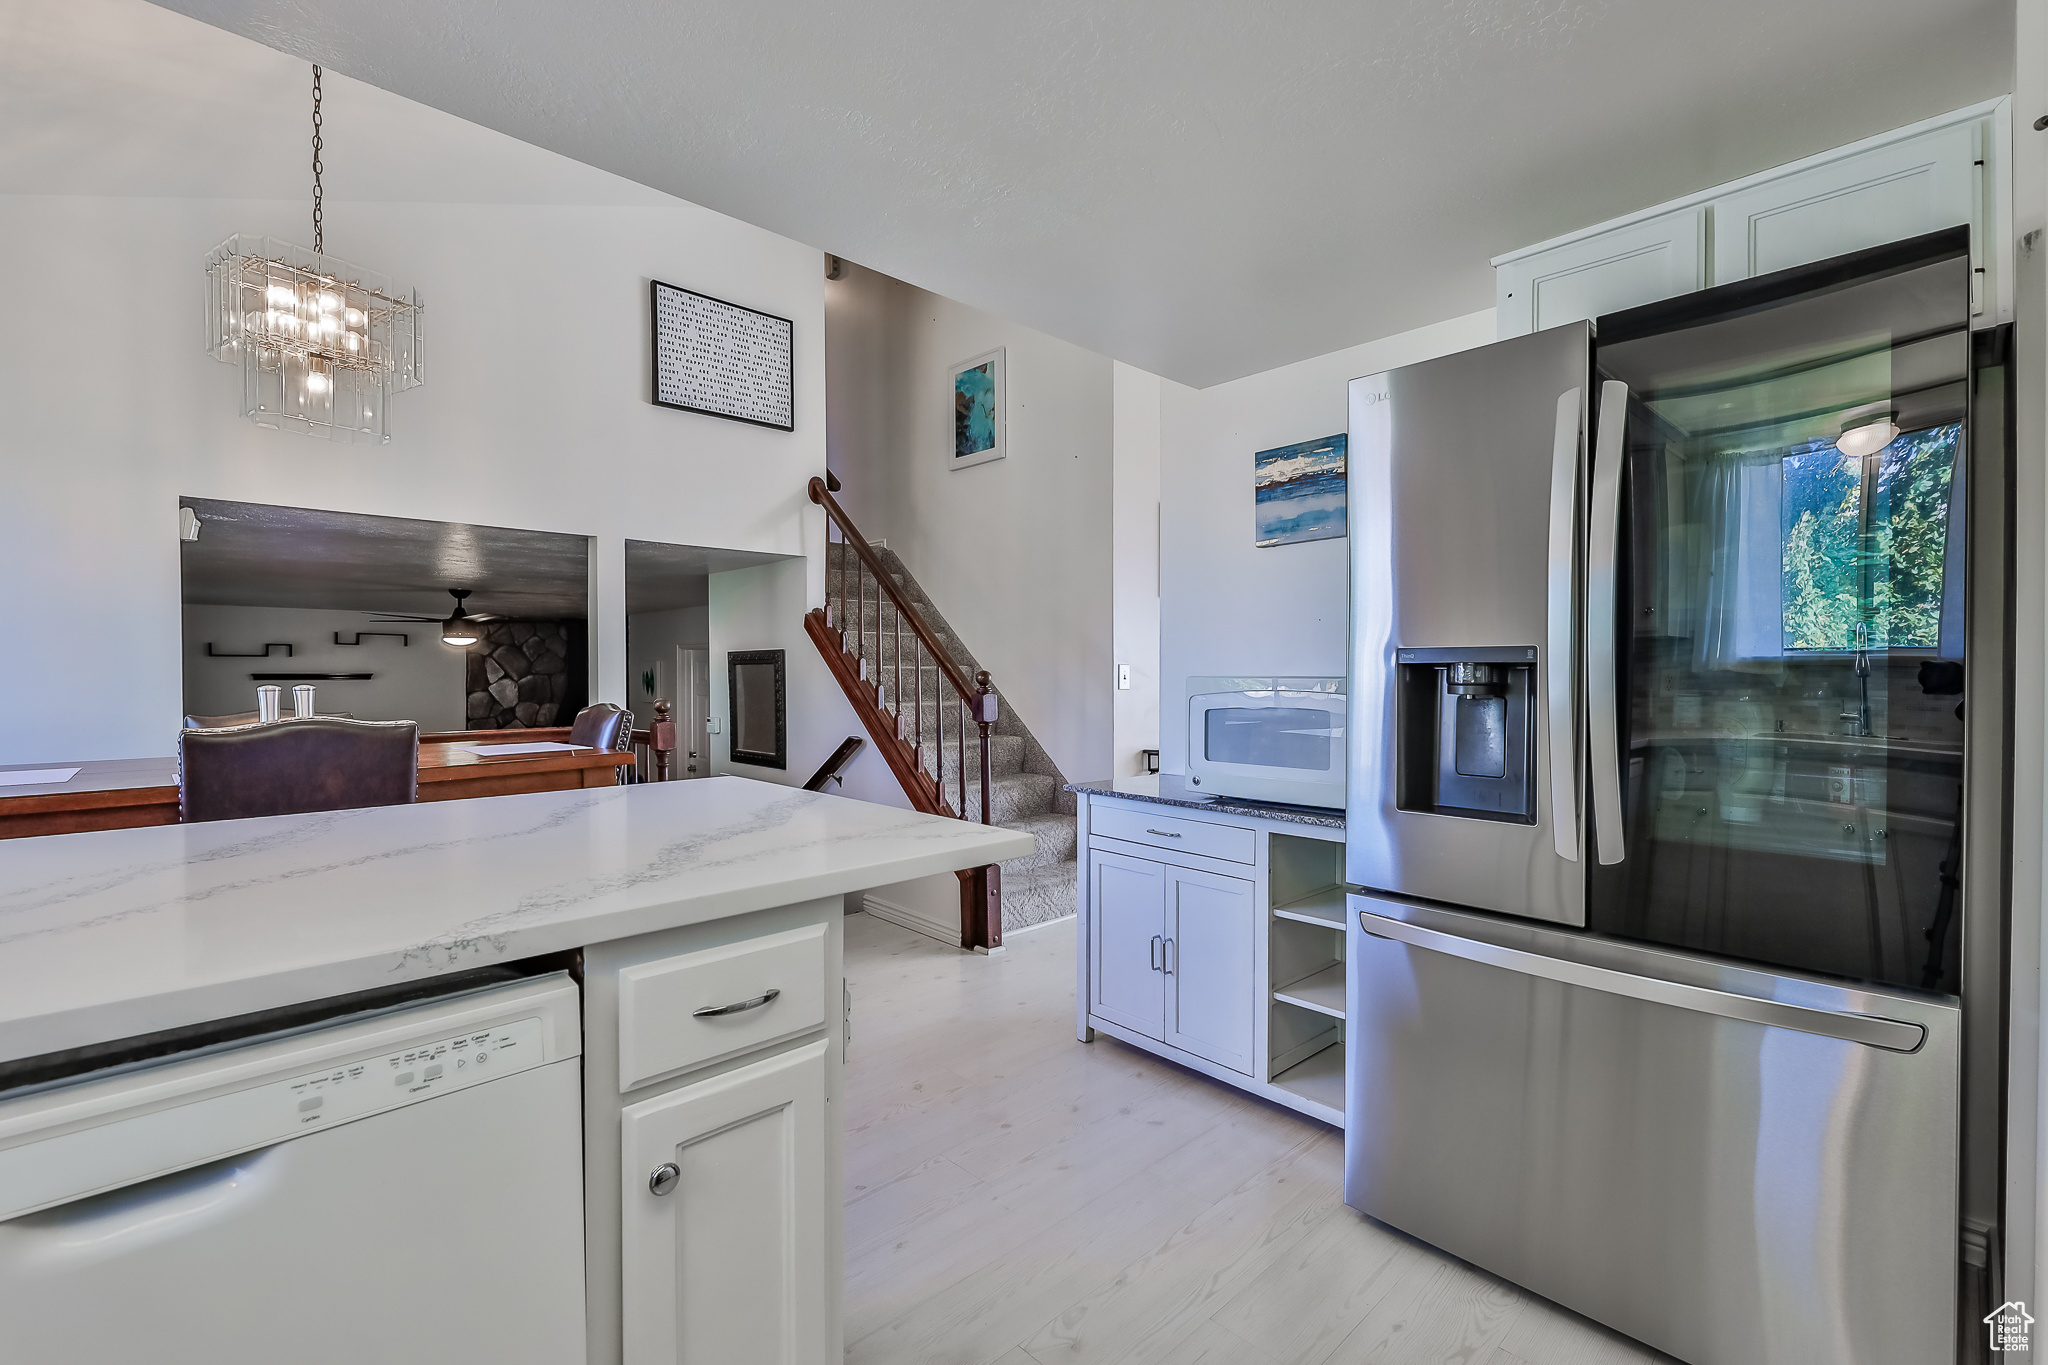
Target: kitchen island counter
126,932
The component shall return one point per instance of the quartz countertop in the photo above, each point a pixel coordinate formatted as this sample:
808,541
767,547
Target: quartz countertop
1169,790
115,934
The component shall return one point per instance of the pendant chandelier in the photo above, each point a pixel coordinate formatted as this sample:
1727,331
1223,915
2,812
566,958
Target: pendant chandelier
323,344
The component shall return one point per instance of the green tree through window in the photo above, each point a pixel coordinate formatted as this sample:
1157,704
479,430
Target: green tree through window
1838,572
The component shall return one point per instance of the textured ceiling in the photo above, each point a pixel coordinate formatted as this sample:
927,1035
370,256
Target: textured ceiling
253,555
119,97
662,577
1204,188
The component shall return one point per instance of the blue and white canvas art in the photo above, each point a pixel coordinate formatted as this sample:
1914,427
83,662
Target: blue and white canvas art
978,410
1299,492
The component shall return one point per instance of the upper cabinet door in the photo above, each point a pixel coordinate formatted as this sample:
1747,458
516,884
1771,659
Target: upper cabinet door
724,1218
1639,263
1919,184
1932,175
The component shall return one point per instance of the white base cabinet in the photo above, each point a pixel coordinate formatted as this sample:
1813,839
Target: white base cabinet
723,1221
713,1201
1211,938
1174,952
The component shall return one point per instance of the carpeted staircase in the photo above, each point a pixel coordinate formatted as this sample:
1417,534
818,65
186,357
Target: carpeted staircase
1024,786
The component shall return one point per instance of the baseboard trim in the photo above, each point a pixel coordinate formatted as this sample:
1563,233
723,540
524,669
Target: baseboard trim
1009,934
905,918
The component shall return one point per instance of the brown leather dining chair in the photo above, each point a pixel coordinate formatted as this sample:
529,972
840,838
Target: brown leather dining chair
240,718
603,726
289,767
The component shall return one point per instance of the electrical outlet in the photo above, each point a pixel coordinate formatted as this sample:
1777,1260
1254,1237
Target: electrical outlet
1123,677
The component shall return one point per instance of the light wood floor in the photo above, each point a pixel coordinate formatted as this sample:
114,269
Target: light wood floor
1015,1197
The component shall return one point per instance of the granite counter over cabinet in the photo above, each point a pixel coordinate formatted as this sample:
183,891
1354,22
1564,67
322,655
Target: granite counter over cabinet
124,932
1168,790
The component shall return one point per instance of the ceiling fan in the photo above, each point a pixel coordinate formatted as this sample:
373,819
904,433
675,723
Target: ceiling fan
458,629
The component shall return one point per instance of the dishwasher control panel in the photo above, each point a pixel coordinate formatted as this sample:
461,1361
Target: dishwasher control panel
376,1084
161,1138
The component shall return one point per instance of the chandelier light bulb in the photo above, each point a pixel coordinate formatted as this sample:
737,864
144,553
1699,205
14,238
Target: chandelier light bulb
316,338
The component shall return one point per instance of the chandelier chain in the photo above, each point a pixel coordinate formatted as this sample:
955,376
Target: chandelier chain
318,244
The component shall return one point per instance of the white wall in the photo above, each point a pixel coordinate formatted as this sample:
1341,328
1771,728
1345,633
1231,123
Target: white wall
1015,553
748,610
420,680
654,637
1226,606
534,415
1134,534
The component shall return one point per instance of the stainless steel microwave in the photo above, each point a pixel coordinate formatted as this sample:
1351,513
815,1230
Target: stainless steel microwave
1268,739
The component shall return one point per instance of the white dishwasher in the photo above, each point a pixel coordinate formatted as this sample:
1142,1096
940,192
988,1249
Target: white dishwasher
393,1187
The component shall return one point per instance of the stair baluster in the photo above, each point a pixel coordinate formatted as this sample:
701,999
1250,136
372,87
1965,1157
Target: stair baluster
981,924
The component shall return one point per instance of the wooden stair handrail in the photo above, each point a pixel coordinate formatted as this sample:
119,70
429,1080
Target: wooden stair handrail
819,494
973,705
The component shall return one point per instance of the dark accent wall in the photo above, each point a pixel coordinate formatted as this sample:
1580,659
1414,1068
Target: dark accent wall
519,675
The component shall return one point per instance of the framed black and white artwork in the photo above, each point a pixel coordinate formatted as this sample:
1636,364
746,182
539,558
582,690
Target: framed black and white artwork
721,359
978,410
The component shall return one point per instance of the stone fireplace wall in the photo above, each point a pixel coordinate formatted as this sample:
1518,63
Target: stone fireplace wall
518,675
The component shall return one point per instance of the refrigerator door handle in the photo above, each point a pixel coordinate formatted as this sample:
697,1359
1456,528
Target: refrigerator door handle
1603,584
1558,649
1893,1035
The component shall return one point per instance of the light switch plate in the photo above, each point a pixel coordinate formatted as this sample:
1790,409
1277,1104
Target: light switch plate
1123,677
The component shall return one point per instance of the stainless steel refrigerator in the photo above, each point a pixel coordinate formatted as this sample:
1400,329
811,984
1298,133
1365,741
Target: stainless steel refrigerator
1675,811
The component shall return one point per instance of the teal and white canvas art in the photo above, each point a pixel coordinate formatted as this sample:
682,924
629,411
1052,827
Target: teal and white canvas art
978,410
1298,492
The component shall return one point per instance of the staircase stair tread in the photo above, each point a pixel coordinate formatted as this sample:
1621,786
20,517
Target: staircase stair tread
1036,888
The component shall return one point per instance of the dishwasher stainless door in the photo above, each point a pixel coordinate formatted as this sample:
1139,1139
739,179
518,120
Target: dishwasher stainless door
1734,1166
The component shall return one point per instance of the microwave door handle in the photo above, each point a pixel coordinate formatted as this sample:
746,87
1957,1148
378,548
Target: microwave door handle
1603,584
1559,648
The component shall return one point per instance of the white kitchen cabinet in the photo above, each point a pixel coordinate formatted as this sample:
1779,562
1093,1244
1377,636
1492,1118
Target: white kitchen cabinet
1173,954
741,1261
1213,994
1213,936
1639,262
1127,941
723,1218
1885,194
1935,174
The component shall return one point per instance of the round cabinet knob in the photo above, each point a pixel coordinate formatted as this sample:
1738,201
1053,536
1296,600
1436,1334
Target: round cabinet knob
664,1178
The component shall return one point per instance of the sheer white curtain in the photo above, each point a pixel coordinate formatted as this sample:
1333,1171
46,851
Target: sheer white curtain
1742,620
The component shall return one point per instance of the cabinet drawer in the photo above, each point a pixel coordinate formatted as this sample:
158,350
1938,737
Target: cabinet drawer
664,1022
1232,842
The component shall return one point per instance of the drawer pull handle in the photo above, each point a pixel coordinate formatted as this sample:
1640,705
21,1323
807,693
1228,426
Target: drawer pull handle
1157,954
664,1178
709,1011
1162,833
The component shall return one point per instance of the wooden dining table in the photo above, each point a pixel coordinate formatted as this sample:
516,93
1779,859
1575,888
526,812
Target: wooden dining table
124,793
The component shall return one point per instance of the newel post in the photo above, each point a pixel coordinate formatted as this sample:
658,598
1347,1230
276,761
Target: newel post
981,907
662,734
984,716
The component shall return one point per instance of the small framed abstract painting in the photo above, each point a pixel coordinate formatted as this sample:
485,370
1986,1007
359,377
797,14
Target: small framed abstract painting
1298,492
978,410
